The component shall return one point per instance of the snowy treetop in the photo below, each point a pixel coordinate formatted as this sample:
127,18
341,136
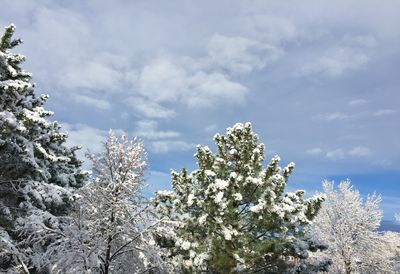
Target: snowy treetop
234,200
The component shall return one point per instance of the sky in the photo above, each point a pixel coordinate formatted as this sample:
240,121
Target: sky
318,80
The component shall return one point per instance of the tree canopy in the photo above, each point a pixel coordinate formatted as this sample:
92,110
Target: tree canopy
233,215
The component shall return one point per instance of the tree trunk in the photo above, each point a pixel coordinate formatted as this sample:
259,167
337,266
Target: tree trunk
108,255
23,265
347,266
109,240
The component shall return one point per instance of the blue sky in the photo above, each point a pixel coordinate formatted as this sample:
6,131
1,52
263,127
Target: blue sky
318,80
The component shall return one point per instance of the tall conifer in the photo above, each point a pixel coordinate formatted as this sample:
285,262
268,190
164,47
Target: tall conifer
232,214
37,171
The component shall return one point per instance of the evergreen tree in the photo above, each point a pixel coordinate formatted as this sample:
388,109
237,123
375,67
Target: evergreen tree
231,214
37,171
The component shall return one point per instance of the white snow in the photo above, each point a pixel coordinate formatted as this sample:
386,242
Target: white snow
218,197
238,196
221,184
209,173
190,199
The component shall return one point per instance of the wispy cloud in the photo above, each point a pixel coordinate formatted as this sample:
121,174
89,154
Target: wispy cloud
163,80
164,146
358,102
336,154
148,130
93,75
384,112
160,141
314,151
351,53
241,55
89,138
149,109
335,116
355,152
360,152
336,62
270,28
92,101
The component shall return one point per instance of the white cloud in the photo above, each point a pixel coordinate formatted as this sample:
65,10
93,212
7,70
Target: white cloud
160,141
335,116
165,81
92,75
341,116
148,130
149,109
162,81
314,151
208,89
91,101
67,54
89,138
241,55
270,28
336,154
358,102
360,152
384,112
164,146
336,62
351,53
364,41
353,137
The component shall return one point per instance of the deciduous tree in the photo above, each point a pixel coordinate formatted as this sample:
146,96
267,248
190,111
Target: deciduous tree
112,227
348,225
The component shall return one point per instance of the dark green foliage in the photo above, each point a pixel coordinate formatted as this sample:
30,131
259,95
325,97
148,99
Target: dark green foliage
37,171
232,215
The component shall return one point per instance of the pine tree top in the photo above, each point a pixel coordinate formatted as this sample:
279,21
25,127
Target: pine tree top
231,212
6,41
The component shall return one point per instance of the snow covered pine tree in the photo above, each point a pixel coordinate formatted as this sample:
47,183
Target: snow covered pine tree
231,215
37,172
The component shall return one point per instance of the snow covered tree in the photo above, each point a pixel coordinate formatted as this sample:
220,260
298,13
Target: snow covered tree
38,173
112,232
391,241
349,227
231,214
